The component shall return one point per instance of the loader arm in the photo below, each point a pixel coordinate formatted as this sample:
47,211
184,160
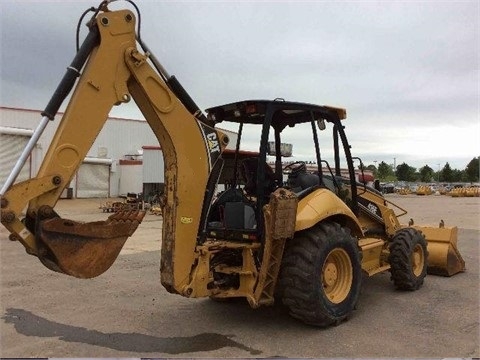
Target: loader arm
116,71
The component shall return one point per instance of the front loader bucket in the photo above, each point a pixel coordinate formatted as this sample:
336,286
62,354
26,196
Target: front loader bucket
84,250
443,256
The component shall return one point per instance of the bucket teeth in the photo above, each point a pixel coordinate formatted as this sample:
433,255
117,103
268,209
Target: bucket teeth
122,216
85,250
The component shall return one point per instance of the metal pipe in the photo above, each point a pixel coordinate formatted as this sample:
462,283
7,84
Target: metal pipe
25,154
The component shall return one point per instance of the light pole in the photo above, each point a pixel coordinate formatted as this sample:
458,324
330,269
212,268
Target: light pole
438,180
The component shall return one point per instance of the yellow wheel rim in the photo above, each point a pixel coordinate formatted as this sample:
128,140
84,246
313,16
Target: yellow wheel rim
418,260
337,275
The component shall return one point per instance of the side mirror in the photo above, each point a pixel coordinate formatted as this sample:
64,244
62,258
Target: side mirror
321,124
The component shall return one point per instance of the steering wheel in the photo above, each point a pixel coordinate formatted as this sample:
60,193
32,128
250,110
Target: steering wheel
294,167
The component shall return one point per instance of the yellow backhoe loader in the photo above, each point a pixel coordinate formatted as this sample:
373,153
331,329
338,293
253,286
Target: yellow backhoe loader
275,232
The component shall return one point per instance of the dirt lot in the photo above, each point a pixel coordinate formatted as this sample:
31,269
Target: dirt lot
126,312
429,210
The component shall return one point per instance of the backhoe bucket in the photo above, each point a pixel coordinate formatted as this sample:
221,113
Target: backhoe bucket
443,256
85,250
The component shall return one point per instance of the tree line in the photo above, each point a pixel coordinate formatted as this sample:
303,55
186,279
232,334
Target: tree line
405,172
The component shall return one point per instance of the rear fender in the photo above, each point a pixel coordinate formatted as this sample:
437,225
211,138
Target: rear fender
323,204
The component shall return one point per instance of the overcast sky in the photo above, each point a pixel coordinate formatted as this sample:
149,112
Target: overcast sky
406,71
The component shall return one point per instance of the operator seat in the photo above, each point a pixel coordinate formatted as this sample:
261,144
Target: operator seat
249,173
299,179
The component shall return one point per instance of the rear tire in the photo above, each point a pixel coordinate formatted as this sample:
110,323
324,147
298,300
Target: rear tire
408,259
321,274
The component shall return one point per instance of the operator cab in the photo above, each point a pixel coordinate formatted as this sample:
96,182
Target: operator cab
255,168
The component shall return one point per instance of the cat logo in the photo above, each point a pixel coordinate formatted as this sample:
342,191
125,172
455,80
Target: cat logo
212,142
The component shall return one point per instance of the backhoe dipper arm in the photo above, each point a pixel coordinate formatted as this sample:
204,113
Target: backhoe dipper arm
115,71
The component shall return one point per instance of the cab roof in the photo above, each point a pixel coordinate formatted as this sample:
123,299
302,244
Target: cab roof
284,112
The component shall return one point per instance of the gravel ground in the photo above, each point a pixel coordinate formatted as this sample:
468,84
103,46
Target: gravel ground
127,313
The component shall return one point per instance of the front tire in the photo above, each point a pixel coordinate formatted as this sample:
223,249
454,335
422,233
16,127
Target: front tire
408,259
321,274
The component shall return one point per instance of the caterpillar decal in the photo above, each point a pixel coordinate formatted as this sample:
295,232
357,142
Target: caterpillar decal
212,142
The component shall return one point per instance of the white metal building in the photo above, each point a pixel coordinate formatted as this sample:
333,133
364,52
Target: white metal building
113,166
100,173
153,171
12,142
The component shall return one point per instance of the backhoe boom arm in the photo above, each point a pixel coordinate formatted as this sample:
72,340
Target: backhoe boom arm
115,72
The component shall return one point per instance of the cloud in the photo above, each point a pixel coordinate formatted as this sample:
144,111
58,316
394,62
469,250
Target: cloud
399,67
